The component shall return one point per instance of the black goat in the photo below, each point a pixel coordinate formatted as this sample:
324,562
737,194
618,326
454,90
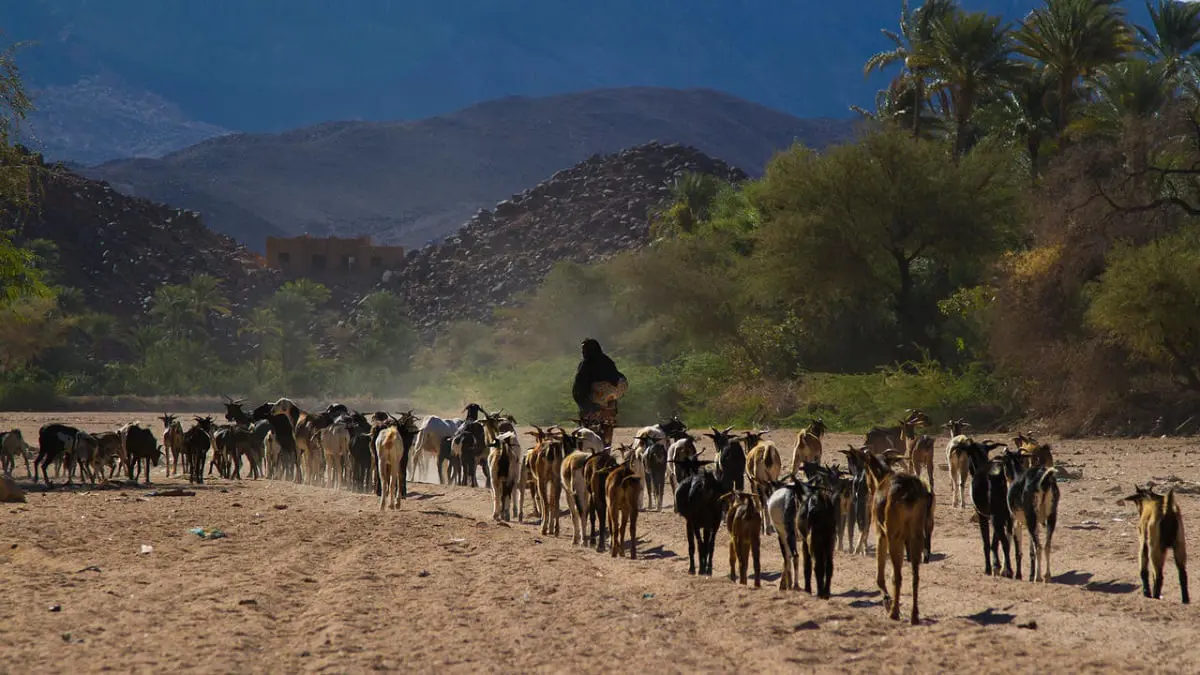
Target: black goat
197,441
287,464
731,459
142,449
698,500
1033,500
989,493
54,441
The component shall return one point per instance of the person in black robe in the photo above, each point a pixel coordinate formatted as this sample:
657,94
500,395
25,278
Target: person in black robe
595,371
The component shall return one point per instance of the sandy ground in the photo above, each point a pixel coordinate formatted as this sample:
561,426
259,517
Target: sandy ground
311,579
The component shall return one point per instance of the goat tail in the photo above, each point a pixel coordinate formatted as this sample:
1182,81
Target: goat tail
1048,474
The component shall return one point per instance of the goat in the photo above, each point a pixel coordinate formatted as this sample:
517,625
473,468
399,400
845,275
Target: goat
548,474
819,521
857,514
1160,527
284,456
172,442
678,455
392,447
744,522
808,444
142,449
902,510
989,493
467,446
622,489
595,472
918,449
430,436
1039,453
504,464
576,488
698,500
731,458
13,445
69,443
109,451
650,444
197,441
1033,500
529,474
763,465
335,442
956,461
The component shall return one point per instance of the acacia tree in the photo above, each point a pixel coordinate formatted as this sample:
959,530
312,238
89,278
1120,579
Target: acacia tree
886,219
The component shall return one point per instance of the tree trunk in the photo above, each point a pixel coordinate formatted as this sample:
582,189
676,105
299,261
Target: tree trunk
1064,93
918,99
903,301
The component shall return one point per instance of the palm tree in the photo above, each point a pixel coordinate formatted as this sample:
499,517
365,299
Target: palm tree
174,309
970,55
263,325
1023,113
911,47
1135,88
895,105
1072,38
1174,35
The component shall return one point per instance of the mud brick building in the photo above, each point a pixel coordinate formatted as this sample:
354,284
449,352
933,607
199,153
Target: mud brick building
331,257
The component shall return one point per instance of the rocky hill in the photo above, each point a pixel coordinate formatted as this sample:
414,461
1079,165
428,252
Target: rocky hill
415,182
594,209
117,249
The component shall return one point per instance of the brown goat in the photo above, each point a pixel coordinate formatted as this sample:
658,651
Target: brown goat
548,481
622,489
902,510
1160,527
918,448
595,473
808,444
744,522
1038,452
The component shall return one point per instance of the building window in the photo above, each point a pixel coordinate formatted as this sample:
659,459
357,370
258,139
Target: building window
318,263
347,263
376,261
285,259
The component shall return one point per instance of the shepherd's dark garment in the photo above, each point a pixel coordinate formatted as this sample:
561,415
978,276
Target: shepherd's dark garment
595,367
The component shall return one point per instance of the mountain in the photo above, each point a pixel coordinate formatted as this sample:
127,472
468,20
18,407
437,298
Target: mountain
272,65
98,119
412,182
117,249
590,211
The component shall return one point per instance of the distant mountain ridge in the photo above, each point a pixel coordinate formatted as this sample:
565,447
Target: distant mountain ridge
98,119
271,65
414,182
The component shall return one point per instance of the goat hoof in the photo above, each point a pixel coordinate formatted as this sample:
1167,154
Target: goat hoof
916,620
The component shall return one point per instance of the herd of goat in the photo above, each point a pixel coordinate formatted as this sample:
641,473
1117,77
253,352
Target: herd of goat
813,508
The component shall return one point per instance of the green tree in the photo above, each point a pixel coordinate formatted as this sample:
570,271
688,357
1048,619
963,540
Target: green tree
383,333
970,54
911,50
1131,90
1072,39
261,324
19,275
1147,301
885,217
